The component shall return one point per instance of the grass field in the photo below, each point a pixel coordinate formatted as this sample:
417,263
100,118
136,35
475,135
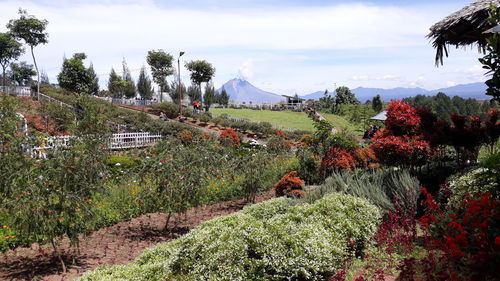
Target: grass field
290,119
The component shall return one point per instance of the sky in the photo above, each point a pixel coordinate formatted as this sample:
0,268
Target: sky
285,47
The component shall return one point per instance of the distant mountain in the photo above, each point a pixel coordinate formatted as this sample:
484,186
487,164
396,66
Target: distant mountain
473,90
315,96
242,91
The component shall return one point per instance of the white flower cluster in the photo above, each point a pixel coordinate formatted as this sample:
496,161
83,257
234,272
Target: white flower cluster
273,240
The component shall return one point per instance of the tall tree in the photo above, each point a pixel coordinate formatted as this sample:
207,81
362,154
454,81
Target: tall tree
209,95
94,81
74,76
193,93
116,85
173,91
343,96
161,64
377,103
44,78
130,89
22,73
32,31
201,71
10,50
144,85
224,97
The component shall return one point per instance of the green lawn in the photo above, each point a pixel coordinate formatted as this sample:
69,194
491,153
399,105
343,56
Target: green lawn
290,119
343,124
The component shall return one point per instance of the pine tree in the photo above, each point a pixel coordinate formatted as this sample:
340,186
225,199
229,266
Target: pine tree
193,93
144,85
209,94
377,103
115,85
129,89
174,91
94,83
224,97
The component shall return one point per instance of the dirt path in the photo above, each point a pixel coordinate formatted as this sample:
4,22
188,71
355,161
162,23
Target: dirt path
117,244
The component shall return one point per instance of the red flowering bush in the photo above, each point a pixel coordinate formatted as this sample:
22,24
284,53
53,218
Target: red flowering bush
229,137
337,159
280,133
364,157
462,244
402,119
401,143
289,185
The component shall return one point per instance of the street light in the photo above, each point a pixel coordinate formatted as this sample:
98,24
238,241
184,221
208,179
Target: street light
179,85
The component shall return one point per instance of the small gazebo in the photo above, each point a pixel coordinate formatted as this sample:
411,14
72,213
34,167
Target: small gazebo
462,28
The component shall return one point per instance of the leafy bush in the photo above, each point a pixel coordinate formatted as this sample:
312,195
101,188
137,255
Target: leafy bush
170,109
229,137
379,186
267,241
289,185
186,136
337,159
277,144
479,180
308,165
122,161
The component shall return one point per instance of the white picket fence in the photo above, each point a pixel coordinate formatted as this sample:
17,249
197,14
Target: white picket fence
115,142
16,90
128,101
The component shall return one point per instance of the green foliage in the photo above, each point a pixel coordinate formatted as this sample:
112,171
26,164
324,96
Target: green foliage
173,91
377,103
74,76
22,73
443,106
161,64
122,161
378,186
209,96
267,241
223,97
170,109
343,96
144,85
62,115
491,61
32,31
129,89
201,71
277,144
10,50
116,86
309,164
193,93
480,180
94,81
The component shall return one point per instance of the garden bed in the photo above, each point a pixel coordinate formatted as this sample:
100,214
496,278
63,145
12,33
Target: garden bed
117,244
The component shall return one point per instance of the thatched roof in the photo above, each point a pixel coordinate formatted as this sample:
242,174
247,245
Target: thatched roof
462,28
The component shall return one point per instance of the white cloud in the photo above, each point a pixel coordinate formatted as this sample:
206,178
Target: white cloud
245,70
451,84
109,30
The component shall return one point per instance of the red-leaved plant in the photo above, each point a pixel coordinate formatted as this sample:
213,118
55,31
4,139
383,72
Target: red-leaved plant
230,137
289,185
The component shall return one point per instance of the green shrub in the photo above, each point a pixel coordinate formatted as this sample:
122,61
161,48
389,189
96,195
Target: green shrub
170,109
122,161
378,186
266,241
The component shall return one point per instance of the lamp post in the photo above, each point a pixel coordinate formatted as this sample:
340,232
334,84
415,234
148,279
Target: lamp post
179,85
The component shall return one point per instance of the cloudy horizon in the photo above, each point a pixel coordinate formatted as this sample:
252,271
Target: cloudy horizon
280,46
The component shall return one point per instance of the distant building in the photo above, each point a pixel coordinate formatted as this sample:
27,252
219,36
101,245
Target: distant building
294,102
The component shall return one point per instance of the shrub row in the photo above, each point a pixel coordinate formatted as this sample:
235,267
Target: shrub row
274,240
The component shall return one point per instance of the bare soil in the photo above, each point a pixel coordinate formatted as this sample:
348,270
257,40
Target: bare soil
117,244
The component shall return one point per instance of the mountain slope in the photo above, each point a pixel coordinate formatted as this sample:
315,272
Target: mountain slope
472,90
242,91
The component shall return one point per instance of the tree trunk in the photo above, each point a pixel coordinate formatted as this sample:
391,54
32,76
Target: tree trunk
166,223
37,75
3,77
58,255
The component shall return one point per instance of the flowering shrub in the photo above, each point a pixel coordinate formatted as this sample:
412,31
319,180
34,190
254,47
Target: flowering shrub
186,136
462,244
401,150
268,241
280,134
402,119
306,140
229,137
289,185
278,144
337,159
364,157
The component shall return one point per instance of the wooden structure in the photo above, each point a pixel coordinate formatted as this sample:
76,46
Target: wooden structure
293,102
